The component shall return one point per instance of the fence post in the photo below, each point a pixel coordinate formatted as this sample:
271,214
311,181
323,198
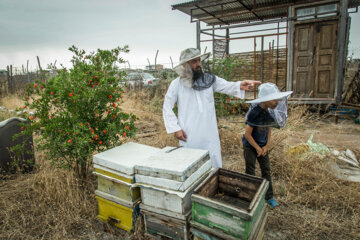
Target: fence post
10,80
41,72
27,70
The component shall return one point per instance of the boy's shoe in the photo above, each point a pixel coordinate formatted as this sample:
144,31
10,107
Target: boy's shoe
272,203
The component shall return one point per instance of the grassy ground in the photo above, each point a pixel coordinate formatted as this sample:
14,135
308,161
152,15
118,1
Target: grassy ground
51,204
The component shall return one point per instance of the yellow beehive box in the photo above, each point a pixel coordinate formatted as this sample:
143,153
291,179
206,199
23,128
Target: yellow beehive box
115,169
116,185
123,217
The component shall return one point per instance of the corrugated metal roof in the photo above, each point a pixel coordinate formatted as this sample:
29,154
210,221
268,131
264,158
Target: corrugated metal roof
221,12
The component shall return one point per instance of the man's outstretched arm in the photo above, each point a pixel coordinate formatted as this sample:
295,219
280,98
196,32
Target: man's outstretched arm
248,85
236,89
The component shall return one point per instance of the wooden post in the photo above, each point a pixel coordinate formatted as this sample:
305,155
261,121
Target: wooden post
40,69
340,68
27,70
10,79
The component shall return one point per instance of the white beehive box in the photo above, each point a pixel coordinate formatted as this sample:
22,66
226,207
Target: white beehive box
115,170
169,202
123,159
173,168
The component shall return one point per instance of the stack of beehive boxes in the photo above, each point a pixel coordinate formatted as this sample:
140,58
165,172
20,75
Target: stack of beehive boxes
118,199
229,205
167,180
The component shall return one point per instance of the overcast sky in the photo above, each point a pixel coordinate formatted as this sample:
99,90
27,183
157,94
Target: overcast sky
47,28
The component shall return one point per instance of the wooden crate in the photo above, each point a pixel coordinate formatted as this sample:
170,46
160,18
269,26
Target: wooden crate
201,232
231,203
123,217
160,226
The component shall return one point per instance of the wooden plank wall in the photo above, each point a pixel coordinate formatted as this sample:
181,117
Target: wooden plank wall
269,69
14,83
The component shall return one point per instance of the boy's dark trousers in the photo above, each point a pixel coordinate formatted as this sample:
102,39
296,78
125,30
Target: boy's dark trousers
250,156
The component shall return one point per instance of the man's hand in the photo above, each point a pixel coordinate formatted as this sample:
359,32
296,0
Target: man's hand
265,150
181,135
248,85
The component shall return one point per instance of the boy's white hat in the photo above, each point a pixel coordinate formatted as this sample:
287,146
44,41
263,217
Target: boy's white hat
189,54
268,92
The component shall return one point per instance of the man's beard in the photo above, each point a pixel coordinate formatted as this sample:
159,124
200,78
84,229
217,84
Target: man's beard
197,73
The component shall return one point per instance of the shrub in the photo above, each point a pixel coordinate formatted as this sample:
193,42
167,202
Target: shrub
77,112
225,68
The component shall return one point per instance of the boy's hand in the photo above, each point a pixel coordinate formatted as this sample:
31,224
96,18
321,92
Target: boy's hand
259,151
265,149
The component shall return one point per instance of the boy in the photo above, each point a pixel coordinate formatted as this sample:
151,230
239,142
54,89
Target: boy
261,116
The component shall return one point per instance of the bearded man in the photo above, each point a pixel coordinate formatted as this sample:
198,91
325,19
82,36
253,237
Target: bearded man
193,91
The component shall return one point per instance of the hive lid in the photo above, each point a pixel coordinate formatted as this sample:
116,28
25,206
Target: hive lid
124,158
174,163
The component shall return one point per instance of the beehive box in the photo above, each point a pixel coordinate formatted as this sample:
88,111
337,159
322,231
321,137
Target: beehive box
201,232
170,202
115,169
173,168
230,203
121,216
159,226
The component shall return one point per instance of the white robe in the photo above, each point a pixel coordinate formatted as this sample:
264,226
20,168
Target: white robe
196,114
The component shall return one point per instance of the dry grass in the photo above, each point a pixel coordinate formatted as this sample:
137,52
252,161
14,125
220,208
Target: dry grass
314,203
47,204
11,101
51,204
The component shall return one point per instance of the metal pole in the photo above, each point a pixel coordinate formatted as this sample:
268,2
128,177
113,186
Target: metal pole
254,65
198,35
265,35
227,41
286,55
277,56
213,42
249,24
262,59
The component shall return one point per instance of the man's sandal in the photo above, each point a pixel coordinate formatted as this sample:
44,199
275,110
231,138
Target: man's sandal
272,203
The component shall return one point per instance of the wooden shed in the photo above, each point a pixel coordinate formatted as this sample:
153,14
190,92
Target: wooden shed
316,34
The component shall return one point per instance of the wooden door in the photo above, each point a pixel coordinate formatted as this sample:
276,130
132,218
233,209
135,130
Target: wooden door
325,59
314,65
302,82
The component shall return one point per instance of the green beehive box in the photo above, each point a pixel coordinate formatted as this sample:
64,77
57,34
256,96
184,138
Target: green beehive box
229,204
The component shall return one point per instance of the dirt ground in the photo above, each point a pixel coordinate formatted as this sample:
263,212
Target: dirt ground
313,203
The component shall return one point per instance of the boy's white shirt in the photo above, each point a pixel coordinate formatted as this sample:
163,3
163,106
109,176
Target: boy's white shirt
196,114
